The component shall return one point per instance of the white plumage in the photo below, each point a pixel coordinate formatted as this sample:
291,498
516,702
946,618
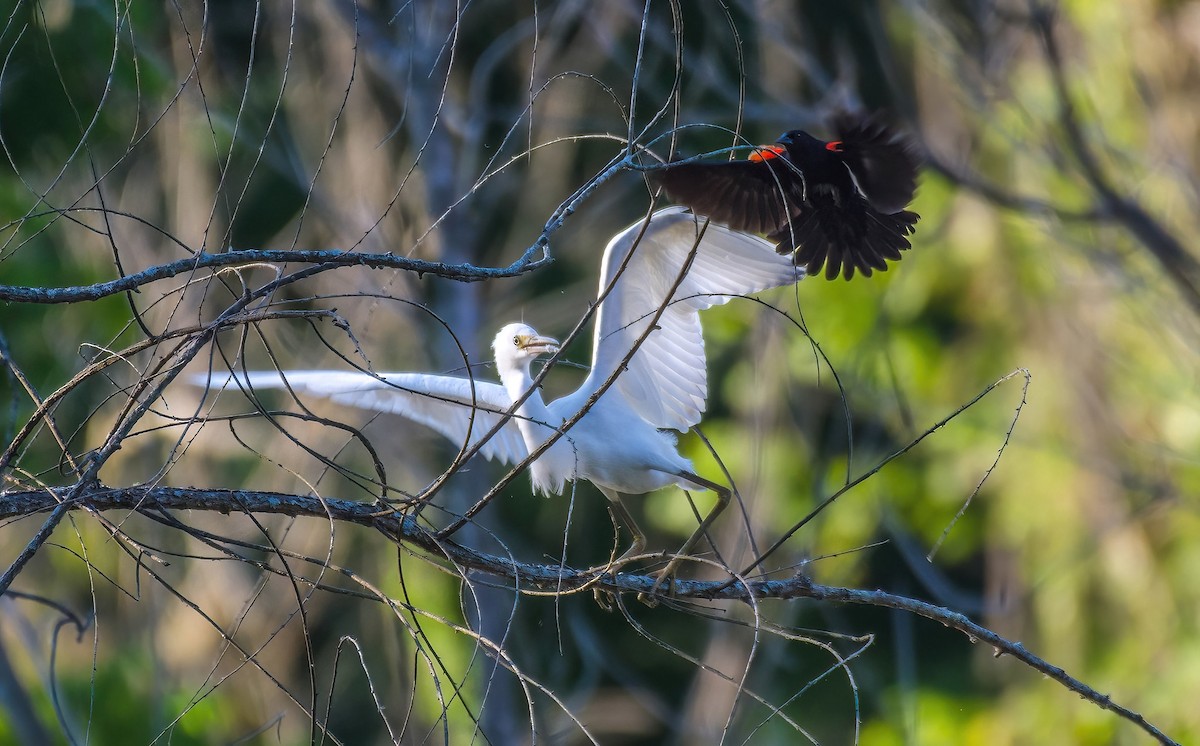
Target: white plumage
619,444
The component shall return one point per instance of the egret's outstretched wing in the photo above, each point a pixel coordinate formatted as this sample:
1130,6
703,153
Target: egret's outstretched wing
666,381
443,403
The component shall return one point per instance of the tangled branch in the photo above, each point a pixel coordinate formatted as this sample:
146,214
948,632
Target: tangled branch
528,577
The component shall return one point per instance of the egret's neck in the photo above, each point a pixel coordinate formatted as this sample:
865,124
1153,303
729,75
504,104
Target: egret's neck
517,381
556,465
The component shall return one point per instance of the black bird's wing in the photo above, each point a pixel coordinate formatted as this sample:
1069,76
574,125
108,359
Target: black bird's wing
883,164
754,196
845,239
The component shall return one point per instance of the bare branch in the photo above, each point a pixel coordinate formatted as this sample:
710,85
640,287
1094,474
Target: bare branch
327,258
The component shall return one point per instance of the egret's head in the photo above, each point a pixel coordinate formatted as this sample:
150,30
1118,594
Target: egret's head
517,345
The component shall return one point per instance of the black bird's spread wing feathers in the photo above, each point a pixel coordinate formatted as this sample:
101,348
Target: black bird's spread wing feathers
883,164
745,195
846,239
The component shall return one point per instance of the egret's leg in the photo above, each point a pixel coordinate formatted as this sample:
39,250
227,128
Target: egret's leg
667,574
621,516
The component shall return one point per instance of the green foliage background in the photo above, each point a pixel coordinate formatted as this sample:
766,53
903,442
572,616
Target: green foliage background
145,132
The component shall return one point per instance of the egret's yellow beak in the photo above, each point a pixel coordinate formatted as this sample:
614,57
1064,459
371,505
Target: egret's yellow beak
537,344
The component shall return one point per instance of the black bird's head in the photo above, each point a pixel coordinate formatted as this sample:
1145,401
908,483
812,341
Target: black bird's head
803,146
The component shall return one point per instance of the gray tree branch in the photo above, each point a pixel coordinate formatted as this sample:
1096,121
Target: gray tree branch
330,258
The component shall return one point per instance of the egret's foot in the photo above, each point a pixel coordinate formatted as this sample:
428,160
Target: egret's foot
664,585
605,598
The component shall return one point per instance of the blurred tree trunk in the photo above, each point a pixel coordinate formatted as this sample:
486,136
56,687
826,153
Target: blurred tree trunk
423,57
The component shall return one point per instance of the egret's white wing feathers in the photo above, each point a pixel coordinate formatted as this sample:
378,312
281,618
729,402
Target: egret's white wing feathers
443,403
666,382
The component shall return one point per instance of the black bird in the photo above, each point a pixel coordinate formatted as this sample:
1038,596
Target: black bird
839,204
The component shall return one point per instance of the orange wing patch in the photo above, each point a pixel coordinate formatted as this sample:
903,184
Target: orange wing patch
766,153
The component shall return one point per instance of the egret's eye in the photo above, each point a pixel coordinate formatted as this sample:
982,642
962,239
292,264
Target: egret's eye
517,341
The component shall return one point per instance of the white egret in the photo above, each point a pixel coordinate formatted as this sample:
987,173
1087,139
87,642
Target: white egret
621,443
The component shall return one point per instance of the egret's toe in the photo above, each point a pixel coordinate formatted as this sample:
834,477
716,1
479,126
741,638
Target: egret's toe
605,599
664,585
